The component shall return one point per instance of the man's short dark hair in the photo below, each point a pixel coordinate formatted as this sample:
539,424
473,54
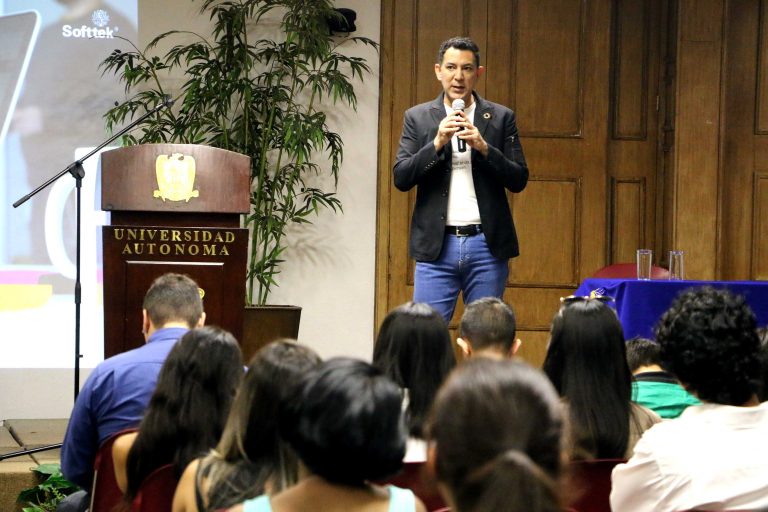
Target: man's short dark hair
709,341
642,352
173,298
488,323
460,43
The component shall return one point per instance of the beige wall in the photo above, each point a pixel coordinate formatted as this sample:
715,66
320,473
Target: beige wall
330,265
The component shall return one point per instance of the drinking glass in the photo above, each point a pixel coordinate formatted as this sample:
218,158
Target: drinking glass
644,263
676,265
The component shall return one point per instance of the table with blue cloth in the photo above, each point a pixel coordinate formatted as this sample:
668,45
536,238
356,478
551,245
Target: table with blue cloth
640,304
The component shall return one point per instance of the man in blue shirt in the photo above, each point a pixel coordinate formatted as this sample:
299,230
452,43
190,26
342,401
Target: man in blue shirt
118,390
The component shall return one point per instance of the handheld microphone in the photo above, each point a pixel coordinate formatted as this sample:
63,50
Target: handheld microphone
458,104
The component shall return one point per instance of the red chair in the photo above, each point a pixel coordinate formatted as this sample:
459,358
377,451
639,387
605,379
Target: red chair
590,484
105,493
155,493
415,477
628,270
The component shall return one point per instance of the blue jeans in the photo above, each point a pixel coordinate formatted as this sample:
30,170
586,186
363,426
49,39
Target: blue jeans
465,264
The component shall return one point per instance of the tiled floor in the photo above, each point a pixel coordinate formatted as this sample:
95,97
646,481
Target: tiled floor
17,435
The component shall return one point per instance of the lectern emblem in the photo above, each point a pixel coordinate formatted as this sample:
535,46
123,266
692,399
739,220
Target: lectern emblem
175,177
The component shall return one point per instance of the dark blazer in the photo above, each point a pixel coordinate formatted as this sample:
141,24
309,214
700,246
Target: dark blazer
418,164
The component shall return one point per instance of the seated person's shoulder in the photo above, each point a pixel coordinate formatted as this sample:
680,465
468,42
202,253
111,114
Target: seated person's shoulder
184,497
122,445
645,416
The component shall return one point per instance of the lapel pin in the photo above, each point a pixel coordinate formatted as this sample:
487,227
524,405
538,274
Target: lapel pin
487,115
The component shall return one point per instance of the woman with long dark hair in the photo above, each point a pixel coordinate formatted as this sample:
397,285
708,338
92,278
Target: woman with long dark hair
586,361
414,349
186,413
251,458
497,429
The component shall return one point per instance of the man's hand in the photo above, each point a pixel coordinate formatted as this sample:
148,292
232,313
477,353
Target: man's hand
458,122
448,126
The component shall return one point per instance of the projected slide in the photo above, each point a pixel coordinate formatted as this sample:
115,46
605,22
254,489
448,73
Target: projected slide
55,117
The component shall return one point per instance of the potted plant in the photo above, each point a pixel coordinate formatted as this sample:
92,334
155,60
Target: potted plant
259,85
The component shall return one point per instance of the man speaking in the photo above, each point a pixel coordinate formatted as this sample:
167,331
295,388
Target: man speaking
463,153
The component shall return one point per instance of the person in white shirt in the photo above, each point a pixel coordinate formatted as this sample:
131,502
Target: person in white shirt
715,455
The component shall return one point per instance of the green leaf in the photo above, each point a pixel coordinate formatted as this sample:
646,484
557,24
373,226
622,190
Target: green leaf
48,469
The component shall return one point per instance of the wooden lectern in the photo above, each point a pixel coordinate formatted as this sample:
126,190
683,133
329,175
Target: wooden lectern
174,208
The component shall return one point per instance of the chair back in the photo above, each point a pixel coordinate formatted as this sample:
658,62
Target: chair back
155,493
415,477
628,270
590,484
105,493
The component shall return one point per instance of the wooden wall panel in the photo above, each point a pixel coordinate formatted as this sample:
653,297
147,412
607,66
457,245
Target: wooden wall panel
550,236
761,107
429,31
550,60
740,145
399,58
627,219
760,227
629,101
501,63
697,141
533,349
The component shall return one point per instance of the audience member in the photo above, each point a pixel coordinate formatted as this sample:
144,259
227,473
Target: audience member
586,361
654,388
345,423
414,349
487,328
187,411
251,459
116,393
714,456
497,427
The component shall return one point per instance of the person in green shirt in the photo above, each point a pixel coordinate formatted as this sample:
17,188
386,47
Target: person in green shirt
652,386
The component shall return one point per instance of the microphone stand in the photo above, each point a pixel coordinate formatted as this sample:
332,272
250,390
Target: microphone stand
29,451
77,172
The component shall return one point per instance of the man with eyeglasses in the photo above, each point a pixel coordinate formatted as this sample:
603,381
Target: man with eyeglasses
462,153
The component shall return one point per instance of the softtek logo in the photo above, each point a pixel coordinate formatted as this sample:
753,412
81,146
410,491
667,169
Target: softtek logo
100,19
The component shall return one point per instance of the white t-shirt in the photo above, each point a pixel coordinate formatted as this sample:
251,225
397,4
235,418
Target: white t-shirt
713,457
462,200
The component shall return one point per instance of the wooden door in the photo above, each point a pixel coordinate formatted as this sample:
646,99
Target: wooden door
744,193
581,76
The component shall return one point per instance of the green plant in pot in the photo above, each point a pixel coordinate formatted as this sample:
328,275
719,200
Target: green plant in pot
260,85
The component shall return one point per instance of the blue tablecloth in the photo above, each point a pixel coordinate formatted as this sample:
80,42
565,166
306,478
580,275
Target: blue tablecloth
640,304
